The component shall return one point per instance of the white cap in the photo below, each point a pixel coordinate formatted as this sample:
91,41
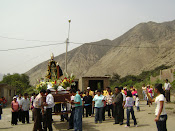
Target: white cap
88,88
14,97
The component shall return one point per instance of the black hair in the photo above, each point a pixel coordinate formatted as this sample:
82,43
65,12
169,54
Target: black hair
129,93
108,87
118,88
43,91
73,91
121,88
48,91
137,96
159,88
166,79
99,91
110,90
25,94
70,90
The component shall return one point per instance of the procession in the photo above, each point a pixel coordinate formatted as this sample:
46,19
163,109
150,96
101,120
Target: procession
87,65
73,105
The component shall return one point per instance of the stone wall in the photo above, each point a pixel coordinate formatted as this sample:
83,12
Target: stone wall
165,74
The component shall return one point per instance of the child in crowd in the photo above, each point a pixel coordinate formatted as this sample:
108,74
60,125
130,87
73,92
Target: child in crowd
137,103
129,108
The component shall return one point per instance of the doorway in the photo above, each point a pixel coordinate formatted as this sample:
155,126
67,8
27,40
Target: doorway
96,84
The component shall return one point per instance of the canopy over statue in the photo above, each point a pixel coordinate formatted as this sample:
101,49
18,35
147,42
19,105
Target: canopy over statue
54,71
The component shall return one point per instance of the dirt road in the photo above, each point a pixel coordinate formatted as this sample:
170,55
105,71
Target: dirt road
145,119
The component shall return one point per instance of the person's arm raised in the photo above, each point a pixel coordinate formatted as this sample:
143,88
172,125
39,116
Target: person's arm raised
149,98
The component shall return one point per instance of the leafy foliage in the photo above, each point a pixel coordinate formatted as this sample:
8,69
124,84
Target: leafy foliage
20,81
137,81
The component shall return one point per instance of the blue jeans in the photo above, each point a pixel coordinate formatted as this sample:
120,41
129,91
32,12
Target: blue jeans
161,124
138,108
98,114
144,95
78,118
128,111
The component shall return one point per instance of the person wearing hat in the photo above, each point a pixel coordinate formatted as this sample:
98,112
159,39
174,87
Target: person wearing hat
118,106
49,104
15,108
91,93
38,107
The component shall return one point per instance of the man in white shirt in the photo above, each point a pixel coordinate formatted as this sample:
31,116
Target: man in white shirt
49,104
19,102
167,87
38,106
25,106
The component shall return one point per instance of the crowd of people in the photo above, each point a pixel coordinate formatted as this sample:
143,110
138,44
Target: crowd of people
88,104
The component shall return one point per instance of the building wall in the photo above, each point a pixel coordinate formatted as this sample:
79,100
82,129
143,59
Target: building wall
84,82
5,91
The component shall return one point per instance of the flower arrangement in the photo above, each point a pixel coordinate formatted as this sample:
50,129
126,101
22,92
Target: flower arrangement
67,81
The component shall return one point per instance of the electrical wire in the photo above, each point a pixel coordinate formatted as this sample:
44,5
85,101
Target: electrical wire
30,47
12,38
22,48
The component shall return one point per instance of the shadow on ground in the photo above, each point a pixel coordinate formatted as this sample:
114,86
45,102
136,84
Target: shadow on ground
5,128
87,126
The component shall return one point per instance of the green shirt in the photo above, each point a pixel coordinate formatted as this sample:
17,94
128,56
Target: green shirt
77,98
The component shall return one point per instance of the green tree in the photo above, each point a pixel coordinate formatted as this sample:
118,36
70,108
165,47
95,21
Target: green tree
20,81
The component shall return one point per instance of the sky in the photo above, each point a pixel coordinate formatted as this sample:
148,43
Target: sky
30,23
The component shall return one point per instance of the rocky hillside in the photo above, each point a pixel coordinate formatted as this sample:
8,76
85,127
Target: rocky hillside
79,60
144,47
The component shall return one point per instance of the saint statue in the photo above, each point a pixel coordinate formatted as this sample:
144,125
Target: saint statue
53,70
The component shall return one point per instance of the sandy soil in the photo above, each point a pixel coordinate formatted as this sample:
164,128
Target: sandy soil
145,119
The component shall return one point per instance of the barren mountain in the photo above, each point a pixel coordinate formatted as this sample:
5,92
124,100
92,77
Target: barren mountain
80,60
144,47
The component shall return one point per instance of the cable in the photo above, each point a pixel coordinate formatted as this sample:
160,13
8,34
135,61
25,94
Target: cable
12,38
22,48
31,47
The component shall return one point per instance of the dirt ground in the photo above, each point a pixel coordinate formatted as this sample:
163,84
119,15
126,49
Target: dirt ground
145,119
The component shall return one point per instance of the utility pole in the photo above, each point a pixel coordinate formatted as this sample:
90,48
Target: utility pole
67,42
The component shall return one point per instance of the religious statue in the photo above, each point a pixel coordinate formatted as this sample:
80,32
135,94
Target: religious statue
53,70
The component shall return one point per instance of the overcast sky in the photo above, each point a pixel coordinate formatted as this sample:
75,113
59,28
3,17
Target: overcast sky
47,20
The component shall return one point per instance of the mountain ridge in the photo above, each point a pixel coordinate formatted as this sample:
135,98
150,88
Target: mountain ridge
143,47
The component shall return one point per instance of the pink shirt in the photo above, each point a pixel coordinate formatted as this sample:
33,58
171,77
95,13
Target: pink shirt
134,92
15,106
